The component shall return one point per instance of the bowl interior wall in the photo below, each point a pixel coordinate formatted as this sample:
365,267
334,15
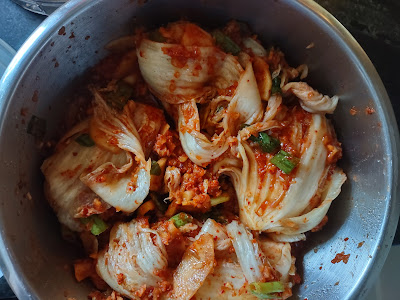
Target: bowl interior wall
29,227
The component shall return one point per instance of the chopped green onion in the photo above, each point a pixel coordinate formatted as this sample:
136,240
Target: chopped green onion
214,214
155,168
284,161
85,220
219,108
36,127
225,42
156,36
267,143
120,96
181,219
98,225
159,201
267,290
276,85
218,200
253,139
85,140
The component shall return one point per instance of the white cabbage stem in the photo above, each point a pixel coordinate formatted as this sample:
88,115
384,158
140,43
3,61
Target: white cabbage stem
310,99
197,263
255,46
247,251
196,145
267,122
218,232
245,106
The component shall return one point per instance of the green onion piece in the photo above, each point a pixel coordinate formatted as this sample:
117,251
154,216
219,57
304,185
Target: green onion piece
120,96
85,140
85,220
214,214
225,42
285,161
267,290
218,200
156,36
267,143
181,219
98,225
36,127
159,201
276,85
155,168
219,108
253,139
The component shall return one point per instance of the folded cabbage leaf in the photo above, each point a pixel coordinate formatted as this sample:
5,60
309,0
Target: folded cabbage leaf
218,232
87,179
311,219
127,186
281,204
267,121
68,196
280,257
245,106
134,256
176,74
234,271
196,145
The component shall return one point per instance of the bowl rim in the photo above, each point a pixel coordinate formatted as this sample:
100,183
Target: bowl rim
8,83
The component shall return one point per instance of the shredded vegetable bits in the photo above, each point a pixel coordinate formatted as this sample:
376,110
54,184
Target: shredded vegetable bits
201,158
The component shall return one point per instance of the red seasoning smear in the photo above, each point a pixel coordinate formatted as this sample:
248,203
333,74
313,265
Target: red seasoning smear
369,110
353,111
35,96
61,31
180,55
360,244
341,257
24,111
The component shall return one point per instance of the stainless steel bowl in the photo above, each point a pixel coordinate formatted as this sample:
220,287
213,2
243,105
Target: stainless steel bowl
39,6
362,220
